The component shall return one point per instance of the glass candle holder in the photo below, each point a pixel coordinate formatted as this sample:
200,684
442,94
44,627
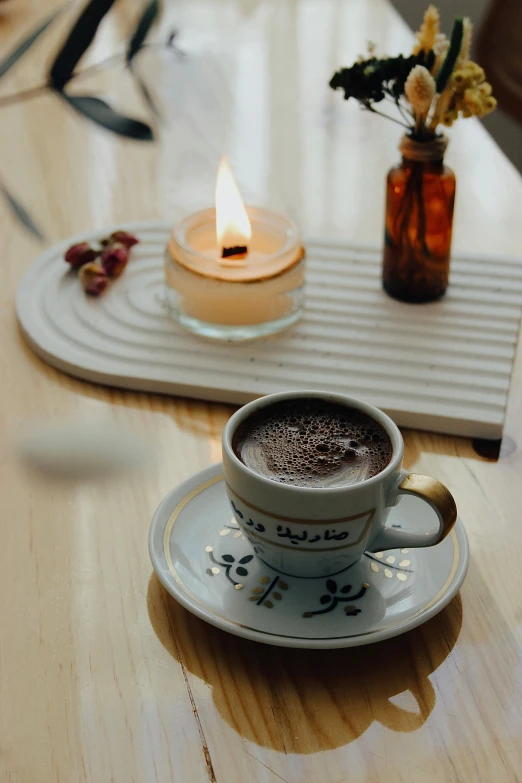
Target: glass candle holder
235,299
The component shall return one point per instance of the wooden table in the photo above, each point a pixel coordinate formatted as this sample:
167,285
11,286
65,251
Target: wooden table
103,676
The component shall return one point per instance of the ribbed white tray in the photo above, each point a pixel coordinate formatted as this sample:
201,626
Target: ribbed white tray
445,366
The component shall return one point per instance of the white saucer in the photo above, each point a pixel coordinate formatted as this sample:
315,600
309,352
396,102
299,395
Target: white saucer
205,562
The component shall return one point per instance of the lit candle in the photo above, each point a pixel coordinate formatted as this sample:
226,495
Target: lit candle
234,272
233,229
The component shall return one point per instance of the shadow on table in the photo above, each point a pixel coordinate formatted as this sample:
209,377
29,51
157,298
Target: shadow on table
302,701
478,449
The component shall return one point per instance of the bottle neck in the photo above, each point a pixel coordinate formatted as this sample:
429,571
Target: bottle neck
430,153
435,166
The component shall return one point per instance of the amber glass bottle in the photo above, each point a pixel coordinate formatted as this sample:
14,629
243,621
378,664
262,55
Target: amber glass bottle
420,193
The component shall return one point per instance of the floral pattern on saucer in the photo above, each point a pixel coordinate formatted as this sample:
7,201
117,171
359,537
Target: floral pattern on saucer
235,565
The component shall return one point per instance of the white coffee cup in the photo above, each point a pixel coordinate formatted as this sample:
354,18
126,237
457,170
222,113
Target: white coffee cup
320,531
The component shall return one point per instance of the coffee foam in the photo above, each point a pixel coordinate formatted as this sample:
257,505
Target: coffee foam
312,443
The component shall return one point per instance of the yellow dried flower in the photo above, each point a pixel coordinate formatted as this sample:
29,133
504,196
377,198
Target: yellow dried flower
420,90
471,100
478,103
474,72
475,101
459,79
429,30
449,118
469,76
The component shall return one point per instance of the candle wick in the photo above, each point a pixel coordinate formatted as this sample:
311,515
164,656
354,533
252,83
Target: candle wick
238,251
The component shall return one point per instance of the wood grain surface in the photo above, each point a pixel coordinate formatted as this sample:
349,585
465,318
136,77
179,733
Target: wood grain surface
103,677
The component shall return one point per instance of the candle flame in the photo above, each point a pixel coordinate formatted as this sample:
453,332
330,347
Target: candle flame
232,223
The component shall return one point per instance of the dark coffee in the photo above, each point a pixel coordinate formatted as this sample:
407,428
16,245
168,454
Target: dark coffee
310,442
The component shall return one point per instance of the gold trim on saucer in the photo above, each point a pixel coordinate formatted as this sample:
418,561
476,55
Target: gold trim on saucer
175,514
166,550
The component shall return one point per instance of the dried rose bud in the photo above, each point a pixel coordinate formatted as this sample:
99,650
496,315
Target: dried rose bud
93,279
114,259
80,254
124,238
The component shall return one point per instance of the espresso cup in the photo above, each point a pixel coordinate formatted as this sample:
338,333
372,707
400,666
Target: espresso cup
319,531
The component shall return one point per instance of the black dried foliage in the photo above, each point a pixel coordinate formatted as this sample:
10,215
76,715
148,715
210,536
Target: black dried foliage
63,68
146,94
78,41
370,80
147,19
102,114
21,214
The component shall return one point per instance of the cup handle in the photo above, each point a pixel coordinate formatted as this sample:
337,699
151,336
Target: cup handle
436,495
